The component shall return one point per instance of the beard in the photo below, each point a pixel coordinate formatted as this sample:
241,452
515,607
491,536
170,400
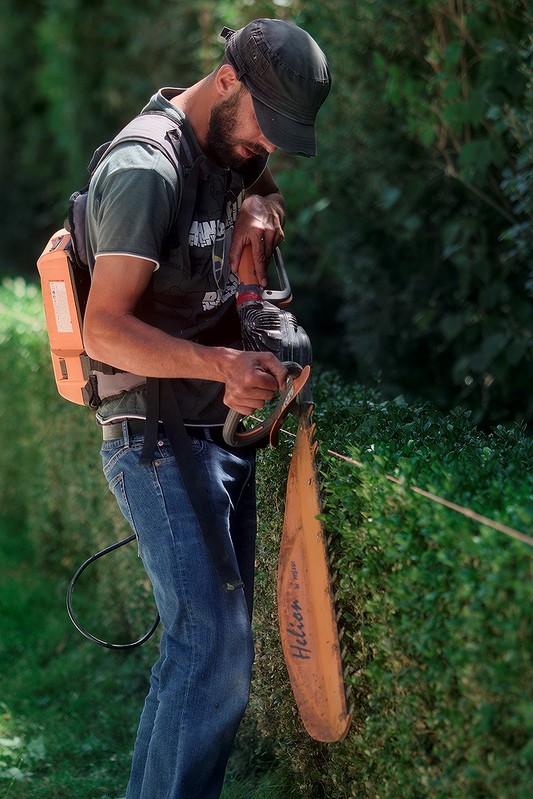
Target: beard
221,139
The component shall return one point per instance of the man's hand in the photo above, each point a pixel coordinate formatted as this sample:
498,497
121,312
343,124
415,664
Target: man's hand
253,378
259,223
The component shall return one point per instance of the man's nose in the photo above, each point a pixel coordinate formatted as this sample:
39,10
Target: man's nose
269,147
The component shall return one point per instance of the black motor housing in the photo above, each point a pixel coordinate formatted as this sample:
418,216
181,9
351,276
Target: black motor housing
265,327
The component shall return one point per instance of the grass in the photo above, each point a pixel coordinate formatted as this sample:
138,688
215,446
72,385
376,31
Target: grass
68,708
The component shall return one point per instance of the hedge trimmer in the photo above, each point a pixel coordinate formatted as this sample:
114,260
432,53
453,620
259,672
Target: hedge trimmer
306,612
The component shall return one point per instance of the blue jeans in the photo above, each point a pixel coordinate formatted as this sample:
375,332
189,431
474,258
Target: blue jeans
200,685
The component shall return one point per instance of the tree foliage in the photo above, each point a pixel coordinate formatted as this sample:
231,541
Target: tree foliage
409,239
427,229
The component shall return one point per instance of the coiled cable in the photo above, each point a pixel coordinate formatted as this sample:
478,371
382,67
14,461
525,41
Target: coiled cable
73,616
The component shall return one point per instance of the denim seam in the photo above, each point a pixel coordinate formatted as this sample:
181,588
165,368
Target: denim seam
190,626
118,481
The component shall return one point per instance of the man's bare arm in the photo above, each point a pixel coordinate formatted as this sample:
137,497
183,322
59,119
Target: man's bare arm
114,335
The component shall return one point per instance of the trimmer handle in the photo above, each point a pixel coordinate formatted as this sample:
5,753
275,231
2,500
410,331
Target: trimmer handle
283,295
250,291
236,435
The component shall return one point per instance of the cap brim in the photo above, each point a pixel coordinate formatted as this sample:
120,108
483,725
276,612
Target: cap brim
284,133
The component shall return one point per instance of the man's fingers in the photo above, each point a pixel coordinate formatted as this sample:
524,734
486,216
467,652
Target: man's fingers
261,376
275,371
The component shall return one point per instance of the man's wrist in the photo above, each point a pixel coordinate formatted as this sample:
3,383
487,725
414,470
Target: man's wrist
275,200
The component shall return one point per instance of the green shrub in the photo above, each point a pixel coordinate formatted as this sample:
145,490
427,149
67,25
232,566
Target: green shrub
436,609
51,475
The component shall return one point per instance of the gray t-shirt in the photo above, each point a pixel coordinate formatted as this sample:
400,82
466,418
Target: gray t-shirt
133,208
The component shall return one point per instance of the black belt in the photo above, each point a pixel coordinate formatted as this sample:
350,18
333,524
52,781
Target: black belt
110,432
136,427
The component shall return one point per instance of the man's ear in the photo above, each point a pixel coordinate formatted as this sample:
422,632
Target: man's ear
226,80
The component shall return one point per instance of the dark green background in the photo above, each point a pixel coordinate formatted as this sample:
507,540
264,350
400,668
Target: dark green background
409,239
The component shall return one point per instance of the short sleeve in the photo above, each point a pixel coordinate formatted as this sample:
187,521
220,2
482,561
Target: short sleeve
132,203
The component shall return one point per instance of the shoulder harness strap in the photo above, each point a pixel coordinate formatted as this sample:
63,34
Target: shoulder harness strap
161,401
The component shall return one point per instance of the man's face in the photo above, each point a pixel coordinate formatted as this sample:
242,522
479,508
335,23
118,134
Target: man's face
233,135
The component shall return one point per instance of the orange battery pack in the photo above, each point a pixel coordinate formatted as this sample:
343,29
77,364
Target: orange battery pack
64,318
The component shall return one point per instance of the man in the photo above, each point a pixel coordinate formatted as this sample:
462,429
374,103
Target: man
163,307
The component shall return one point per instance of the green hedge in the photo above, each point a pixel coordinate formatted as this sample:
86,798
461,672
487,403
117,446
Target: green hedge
51,476
436,609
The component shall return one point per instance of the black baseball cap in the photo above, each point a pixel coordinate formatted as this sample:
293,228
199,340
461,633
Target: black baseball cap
287,75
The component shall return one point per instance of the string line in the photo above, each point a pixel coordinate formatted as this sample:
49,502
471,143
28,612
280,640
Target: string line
470,514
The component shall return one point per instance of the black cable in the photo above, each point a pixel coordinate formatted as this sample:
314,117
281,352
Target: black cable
73,617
